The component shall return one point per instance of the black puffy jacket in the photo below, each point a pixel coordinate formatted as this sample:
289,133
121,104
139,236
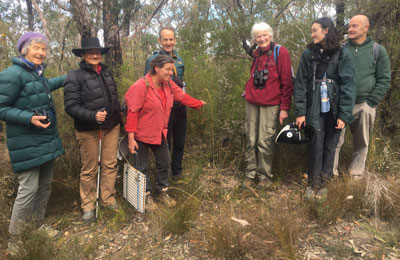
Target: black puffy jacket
86,92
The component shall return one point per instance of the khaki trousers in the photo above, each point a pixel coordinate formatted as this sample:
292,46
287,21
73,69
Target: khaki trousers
33,194
261,126
89,148
361,128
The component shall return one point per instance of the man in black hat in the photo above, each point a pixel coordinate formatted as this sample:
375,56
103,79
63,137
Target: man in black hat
90,98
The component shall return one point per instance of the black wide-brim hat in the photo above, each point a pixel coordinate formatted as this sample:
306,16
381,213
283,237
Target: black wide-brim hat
90,43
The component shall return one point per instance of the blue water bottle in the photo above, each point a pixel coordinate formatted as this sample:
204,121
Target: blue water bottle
325,106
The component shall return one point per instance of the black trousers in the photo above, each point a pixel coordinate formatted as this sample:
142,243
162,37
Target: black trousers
177,132
161,154
322,150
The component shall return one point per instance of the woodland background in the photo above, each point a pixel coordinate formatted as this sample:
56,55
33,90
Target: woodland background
209,39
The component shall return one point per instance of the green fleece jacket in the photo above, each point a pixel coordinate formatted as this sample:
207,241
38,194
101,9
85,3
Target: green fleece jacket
373,80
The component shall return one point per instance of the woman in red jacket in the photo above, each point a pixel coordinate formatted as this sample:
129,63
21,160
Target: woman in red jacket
149,102
268,95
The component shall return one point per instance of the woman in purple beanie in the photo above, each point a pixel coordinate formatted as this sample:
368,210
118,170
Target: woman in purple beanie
29,37
27,107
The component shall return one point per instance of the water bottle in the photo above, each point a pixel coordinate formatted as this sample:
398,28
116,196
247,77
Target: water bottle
184,87
325,106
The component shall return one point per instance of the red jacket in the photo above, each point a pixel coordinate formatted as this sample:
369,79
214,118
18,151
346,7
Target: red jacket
148,112
279,86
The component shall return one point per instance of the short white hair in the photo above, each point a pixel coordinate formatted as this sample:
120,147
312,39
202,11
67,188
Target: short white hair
29,44
261,27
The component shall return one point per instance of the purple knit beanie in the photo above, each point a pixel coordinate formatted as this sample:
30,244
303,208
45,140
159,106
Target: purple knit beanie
26,37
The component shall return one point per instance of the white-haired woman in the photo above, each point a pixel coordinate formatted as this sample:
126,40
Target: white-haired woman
32,137
268,96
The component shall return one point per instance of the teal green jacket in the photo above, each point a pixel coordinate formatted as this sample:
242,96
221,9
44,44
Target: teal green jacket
341,92
21,92
373,80
179,66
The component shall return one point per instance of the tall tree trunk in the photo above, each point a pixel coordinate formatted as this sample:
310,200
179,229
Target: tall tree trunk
111,34
126,23
82,17
30,14
129,8
340,18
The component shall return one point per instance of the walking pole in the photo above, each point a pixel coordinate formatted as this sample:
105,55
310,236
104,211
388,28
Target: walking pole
98,176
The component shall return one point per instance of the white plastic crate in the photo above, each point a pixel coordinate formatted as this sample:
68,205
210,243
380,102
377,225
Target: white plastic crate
134,187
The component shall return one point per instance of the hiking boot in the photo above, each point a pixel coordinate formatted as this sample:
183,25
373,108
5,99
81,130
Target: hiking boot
177,177
309,193
264,183
88,216
166,199
51,232
249,183
150,204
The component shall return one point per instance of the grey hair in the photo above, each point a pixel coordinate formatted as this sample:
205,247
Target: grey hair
261,27
170,28
29,43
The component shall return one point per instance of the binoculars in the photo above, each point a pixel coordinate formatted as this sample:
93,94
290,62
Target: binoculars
44,113
260,78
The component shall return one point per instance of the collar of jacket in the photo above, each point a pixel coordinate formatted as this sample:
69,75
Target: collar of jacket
317,53
161,51
266,49
353,44
21,62
83,65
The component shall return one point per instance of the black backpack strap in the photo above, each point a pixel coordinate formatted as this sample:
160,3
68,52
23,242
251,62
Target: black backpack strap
314,68
314,60
375,51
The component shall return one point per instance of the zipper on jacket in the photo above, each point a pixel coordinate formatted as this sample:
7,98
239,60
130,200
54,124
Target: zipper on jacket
356,49
102,85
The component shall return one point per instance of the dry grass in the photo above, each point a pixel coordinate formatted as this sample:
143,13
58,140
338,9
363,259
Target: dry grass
179,219
378,196
285,224
373,195
273,231
34,245
281,222
226,238
344,198
188,193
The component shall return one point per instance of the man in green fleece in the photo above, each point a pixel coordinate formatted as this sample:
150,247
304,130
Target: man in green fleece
373,80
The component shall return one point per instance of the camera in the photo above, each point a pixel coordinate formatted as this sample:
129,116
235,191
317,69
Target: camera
260,78
44,113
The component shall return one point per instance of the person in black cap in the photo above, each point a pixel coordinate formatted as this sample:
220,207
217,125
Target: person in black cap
90,98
